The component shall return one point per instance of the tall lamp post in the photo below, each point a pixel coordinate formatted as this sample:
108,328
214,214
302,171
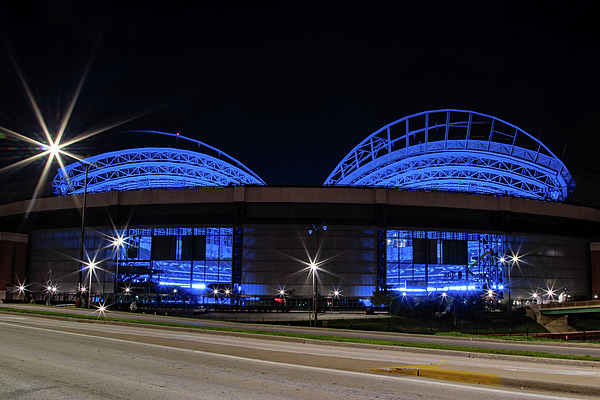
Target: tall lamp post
509,283
91,267
336,296
117,243
313,267
49,290
82,237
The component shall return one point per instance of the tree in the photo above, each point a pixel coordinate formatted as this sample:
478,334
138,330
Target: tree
402,306
424,309
385,297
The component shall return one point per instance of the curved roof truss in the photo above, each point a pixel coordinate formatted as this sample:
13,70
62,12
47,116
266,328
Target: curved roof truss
456,151
150,168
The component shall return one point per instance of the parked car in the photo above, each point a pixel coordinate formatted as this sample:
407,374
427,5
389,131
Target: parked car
200,310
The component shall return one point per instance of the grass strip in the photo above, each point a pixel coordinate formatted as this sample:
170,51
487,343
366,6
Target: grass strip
513,338
470,349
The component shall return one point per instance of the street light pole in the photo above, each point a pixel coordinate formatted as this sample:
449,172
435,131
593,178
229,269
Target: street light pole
82,237
118,242
314,281
91,269
117,276
509,288
313,266
49,290
509,302
315,293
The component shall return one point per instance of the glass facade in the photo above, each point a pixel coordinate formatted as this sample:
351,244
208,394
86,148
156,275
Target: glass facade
419,261
198,261
192,259
534,269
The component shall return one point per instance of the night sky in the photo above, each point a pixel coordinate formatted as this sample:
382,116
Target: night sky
290,88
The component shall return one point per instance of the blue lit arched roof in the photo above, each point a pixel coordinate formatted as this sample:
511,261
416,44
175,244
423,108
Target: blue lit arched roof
154,168
455,151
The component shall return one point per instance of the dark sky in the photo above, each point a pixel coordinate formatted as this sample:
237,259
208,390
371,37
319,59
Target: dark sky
290,88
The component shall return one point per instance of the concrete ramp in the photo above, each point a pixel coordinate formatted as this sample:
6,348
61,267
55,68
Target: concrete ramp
553,323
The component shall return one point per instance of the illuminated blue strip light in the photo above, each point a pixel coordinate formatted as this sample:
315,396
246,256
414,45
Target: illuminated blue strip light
448,289
187,285
152,168
455,151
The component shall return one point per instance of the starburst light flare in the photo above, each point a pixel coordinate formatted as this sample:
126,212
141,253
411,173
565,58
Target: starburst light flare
53,146
101,309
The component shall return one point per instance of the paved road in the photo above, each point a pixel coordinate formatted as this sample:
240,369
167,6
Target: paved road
53,359
581,349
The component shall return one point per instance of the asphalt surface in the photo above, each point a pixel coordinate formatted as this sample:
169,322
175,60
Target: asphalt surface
58,359
580,349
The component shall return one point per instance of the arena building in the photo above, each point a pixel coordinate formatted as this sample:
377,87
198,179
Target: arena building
444,201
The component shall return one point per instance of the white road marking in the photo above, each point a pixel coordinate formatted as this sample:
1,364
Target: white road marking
333,352
280,347
282,364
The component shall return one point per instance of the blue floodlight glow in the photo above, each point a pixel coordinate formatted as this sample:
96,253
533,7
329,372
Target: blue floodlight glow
408,290
194,285
451,288
153,168
163,283
455,151
434,289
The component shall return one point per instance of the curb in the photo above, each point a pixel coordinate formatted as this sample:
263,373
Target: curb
425,371
434,372
406,349
551,387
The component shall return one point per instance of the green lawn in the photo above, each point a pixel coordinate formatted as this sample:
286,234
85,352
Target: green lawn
330,338
585,322
489,323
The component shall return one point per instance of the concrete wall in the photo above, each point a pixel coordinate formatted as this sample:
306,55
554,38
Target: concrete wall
13,257
595,261
323,195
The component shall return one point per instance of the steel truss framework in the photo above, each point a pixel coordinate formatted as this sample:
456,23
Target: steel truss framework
151,168
455,151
